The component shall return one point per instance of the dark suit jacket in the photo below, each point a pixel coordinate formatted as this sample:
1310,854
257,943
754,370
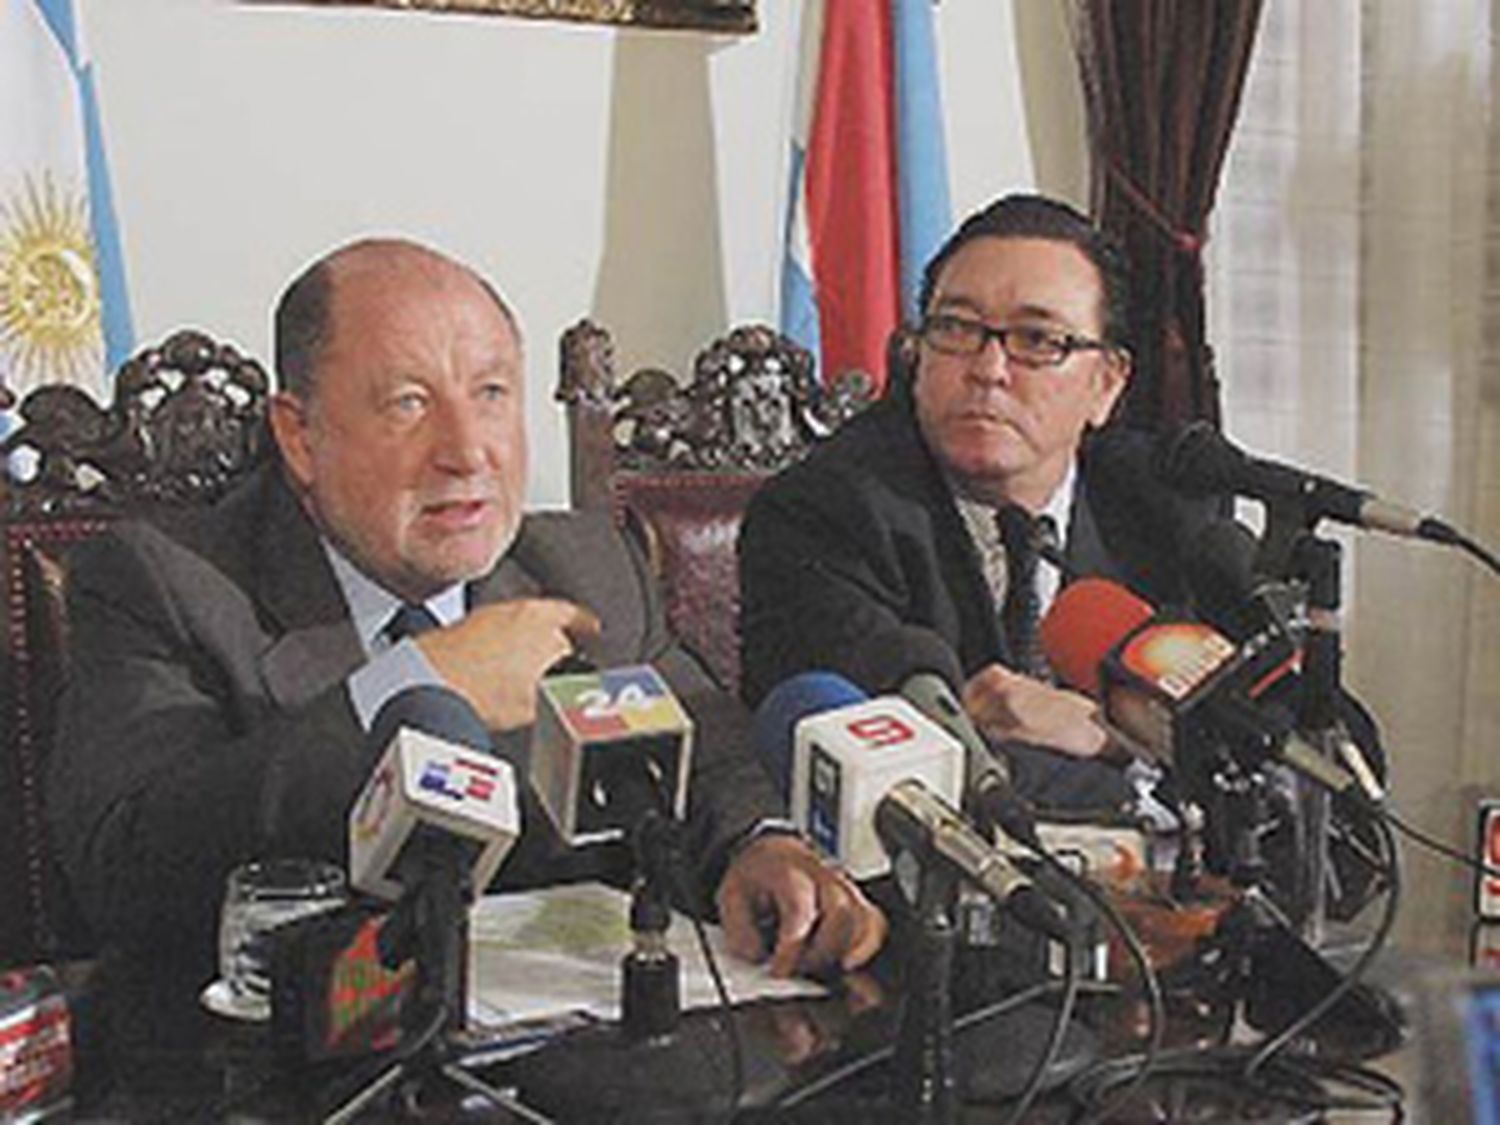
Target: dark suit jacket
206,722
863,537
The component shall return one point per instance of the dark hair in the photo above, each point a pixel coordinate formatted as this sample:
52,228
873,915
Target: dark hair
303,315
1037,216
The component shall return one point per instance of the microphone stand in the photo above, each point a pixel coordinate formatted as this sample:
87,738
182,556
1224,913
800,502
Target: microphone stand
1318,562
922,1066
1265,955
651,976
431,923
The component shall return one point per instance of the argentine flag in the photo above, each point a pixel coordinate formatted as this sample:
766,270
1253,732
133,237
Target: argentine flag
868,200
63,308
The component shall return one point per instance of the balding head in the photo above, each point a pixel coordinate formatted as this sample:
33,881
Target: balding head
304,319
401,422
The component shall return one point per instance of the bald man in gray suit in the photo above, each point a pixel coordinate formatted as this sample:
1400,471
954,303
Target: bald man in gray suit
226,663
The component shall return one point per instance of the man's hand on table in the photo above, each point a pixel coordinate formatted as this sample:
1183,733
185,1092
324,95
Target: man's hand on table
822,919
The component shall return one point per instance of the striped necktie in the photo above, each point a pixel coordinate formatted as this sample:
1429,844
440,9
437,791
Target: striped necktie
1022,612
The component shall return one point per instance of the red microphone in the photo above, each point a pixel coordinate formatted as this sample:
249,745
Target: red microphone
1087,619
1167,684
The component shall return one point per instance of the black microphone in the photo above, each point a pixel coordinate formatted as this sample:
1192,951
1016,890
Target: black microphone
1198,459
1227,591
428,830
910,816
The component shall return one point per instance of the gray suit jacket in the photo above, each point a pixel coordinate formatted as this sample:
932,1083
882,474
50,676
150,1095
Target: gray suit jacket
206,722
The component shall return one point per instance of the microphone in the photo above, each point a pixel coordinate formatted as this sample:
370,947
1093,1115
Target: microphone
846,755
435,780
922,668
1165,684
774,724
607,748
1198,459
1218,567
910,816
989,794
875,776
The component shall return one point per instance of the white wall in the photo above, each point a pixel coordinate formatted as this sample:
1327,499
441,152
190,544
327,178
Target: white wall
637,177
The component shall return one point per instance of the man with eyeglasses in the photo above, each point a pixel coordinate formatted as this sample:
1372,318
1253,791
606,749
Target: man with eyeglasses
923,512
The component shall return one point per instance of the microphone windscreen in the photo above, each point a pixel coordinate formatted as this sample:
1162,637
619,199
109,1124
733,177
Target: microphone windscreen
1219,568
1198,459
787,704
1087,619
431,709
889,658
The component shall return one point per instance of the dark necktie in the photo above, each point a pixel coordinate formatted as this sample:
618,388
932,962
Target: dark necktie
409,621
1021,614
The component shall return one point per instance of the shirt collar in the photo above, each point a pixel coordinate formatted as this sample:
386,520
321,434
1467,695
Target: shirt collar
371,604
1058,508
979,518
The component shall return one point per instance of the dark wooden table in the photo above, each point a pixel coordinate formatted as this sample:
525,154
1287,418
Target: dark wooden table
149,1052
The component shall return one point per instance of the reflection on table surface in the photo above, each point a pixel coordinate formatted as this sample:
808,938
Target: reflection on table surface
148,1050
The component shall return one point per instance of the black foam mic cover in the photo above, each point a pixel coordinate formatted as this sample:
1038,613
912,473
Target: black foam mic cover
432,709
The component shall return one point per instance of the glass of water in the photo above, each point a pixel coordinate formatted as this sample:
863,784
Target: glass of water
260,897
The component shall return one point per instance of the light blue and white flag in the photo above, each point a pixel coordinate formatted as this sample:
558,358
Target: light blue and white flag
868,199
64,314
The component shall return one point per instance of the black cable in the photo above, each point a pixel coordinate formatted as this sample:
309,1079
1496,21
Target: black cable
1073,954
1290,1080
721,990
873,1058
1439,532
1344,987
731,1029
1155,1003
1489,558
1264,1068
1388,814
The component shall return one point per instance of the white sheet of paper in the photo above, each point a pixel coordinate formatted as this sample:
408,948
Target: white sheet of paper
556,951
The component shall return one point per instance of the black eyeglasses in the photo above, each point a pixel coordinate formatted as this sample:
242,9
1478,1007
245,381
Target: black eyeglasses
1028,345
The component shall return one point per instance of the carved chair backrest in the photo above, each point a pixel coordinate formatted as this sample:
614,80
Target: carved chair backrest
185,422
676,461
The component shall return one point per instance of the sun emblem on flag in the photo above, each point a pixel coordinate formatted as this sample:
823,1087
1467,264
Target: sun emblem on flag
49,286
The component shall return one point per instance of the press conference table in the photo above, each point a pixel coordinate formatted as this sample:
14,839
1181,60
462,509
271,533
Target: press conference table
148,1051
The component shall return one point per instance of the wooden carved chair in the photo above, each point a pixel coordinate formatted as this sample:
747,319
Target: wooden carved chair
186,421
676,461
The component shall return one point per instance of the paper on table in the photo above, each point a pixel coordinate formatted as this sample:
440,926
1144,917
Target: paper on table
538,954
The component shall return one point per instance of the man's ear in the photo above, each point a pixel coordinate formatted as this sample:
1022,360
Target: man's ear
1112,376
289,426
902,354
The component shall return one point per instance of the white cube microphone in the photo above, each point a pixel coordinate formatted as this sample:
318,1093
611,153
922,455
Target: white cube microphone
847,759
606,746
425,780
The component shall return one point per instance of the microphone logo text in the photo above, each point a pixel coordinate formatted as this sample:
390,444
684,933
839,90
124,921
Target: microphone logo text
881,730
458,779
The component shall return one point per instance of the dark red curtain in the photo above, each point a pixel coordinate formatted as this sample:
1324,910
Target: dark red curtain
1162,82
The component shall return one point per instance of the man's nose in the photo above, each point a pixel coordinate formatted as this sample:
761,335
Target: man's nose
991,364
458,439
